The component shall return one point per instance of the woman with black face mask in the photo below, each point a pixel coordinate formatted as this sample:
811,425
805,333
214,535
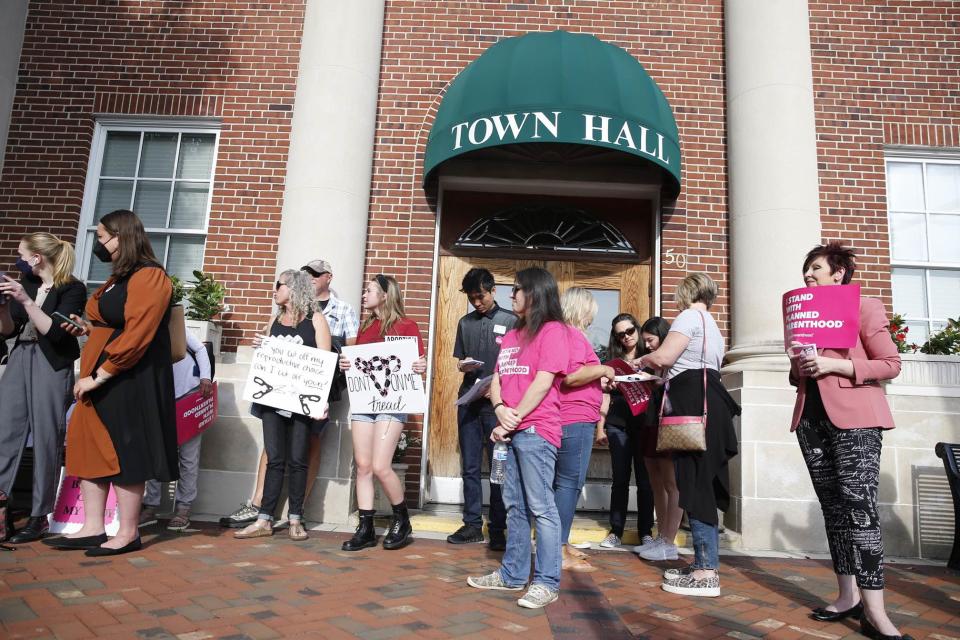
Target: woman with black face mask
35,387
123,429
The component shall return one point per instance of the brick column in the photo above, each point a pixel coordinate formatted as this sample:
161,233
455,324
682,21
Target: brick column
772,151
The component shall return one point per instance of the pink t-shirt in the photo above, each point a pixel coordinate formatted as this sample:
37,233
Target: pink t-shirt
580,404
518,365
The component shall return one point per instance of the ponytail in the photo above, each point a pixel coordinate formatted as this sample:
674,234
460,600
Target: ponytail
59,253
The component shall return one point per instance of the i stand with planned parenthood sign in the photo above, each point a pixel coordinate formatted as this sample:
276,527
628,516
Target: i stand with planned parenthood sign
828,317
291,377
381,378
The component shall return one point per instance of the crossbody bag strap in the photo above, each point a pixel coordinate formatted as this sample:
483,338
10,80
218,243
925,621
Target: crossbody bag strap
703,363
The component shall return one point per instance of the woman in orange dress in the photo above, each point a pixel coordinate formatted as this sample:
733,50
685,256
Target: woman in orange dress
123,430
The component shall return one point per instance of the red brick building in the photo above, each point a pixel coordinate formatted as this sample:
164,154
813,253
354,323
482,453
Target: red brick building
253,136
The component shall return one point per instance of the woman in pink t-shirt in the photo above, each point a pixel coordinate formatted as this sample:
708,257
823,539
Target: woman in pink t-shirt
580,408
526,398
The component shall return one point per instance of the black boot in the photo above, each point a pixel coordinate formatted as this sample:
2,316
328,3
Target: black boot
398,536
36,528
365,535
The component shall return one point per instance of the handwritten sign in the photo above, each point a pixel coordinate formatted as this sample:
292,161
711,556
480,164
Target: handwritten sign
292,377
67,516
637,394
195,414
828,316
380,378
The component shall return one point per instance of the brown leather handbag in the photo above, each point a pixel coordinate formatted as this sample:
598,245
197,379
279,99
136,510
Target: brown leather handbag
685,433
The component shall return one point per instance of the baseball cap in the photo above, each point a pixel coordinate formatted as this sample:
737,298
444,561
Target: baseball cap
317,267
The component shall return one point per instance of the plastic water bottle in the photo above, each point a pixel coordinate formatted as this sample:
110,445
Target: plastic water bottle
498,466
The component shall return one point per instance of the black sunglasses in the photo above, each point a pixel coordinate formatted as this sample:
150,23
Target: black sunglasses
280,284
514,289
623,334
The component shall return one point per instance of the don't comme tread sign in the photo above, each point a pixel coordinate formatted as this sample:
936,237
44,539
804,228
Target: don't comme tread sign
381,379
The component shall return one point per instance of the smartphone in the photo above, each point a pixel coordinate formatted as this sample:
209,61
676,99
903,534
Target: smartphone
472,362
60,318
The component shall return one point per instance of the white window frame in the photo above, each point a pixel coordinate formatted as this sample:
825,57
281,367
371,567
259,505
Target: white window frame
102,127
923,156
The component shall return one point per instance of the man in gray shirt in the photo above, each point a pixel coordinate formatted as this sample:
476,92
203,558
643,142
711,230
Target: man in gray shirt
478,344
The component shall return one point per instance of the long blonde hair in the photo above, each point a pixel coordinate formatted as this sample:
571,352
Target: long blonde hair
392,308
57,252
579,307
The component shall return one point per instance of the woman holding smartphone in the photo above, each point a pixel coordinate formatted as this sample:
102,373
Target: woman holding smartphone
35,387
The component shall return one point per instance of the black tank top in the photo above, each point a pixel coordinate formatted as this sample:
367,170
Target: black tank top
303,333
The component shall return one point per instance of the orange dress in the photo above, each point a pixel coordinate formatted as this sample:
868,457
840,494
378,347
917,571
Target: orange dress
125,431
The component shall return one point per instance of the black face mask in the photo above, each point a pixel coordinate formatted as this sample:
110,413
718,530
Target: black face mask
102,253
25,267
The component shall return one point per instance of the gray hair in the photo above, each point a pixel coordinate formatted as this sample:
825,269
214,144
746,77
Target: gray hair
300,285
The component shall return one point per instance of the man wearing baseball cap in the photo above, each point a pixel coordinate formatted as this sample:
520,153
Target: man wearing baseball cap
344,323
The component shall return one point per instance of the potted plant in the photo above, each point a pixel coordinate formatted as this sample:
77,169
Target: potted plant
935,363
205,299
177,325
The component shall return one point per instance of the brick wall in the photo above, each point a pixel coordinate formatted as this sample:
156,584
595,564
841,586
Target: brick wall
426,43
236,61
884,73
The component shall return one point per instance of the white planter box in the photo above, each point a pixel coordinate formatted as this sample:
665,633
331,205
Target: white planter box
207,332
922,370
380,501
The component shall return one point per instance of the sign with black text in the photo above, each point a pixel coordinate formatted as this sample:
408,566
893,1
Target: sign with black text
381,379
291,377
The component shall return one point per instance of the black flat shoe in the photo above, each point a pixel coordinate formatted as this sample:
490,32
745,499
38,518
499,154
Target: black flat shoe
36,529
97,552
867,629
69,544
825,615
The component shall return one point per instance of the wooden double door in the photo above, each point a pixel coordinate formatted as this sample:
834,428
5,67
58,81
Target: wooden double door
618,288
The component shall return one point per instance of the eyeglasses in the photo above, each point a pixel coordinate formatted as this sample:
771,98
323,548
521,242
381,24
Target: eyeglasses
514,289
280,284
623,334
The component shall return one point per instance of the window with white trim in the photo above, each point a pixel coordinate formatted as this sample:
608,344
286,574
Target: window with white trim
163,172
923,205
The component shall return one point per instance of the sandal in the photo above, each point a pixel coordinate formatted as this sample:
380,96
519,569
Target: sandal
296,531
255,530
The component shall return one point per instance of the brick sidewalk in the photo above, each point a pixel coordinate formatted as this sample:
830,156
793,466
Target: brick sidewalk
205,584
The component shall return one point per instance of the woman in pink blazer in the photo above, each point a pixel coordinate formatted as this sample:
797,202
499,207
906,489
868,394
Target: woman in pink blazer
839,417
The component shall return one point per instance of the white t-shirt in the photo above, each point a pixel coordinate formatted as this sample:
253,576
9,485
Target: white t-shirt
689,324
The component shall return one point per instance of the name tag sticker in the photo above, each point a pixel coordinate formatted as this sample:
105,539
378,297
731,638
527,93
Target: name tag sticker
499,328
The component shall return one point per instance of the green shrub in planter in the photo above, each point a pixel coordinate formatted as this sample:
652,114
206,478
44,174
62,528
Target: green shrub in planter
945,342
205,297
178,290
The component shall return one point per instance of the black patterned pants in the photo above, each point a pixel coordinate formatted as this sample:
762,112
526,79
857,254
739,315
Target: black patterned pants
844,465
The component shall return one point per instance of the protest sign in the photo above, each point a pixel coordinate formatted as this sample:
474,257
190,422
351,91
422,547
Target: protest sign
195,414
292,377
637,394
380,378
827,316
67,516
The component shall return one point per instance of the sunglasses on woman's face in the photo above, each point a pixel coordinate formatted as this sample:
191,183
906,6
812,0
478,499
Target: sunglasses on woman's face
514,289
280,284
623,334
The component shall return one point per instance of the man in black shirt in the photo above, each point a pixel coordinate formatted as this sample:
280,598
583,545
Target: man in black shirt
478,344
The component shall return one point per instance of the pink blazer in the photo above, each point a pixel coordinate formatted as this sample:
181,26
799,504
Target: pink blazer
860,402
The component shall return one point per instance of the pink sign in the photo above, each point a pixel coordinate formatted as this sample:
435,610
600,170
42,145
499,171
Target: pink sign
637,394
195,414
67,514
828,317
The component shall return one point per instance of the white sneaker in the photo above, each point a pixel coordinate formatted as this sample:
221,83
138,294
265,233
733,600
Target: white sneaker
645,543
612,541
538,596
658,552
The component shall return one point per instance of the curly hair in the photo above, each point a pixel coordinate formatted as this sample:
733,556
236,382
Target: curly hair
300,285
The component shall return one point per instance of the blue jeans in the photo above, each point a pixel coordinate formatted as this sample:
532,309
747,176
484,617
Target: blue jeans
528,493
475,423
572,462
706,544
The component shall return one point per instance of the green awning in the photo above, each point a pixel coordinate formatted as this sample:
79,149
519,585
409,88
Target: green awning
556,87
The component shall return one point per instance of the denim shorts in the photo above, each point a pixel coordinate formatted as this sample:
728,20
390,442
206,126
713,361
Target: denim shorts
379,417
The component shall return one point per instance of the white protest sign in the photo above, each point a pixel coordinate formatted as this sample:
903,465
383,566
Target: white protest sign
290,376
380,378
